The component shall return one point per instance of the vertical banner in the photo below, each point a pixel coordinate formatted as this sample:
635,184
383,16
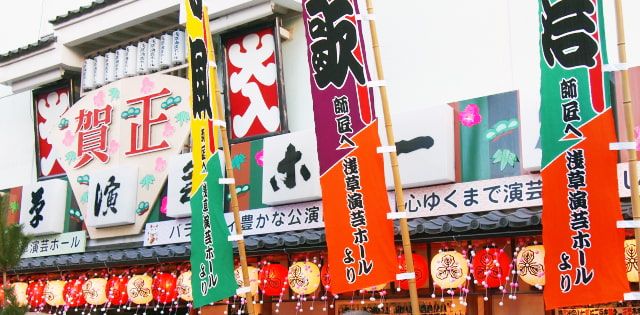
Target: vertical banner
211,252
584,255
359,236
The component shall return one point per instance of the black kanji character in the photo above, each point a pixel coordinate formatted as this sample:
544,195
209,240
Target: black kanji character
566,33
569,89
343,124
341,105
360,236
37,204
579,220
352,182
576,179
294,216
201,105
581,240
534,189
287,166
334,40
357,218
187,171
571,111
514,192
350,166
313,215
246,222
354,201
575,159
110,193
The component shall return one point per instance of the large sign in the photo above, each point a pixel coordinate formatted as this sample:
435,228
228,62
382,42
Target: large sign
43,207
211,252
59,244
135,122
112,195
359,236
50,104
252,78
584,249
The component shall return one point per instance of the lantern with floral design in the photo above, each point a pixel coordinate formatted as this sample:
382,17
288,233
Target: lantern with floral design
420,268
254,280
73,295
139,289
54,292
304,277
630,260
183,286
273,279
164,288
449,269
530,265
491,267
20,291
95,291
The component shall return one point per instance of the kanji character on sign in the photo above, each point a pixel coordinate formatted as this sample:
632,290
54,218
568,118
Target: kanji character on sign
287,167
92,130
141,144
37,204
110,193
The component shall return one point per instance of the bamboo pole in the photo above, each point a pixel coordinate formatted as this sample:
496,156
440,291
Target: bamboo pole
234,204
629,123
404,227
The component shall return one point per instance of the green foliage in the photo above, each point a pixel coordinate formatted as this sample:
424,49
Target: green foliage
13,243
505,157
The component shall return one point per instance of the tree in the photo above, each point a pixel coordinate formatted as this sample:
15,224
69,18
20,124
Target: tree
13,243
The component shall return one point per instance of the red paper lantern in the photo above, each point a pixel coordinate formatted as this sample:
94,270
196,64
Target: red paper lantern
273,278
35,291
164,288
491,267
421,269
325,278
117,291
73,294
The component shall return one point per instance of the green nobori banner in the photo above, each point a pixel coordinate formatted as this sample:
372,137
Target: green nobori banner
211,252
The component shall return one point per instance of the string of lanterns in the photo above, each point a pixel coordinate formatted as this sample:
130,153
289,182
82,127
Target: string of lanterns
452,272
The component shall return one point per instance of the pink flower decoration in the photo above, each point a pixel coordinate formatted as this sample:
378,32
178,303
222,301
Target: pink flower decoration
163,205
161,164
168,131
637,130
470,116
68,138
147,85
259,158
113,147
98,99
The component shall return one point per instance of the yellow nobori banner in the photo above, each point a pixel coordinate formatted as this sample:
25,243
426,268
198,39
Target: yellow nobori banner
204,82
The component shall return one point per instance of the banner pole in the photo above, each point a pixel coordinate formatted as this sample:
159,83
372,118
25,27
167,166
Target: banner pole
404,227
630,124
234,205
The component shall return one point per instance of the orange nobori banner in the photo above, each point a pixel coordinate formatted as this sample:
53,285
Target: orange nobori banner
584,250
359,237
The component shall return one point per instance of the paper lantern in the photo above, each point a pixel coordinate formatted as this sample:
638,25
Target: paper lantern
420,268
491,267
35,291
530,265
164,288
304,277
139,289
254,280
449,269
95,291
117,291
325,278
1,296
630,260
54,292
73,293
273,279
183,286
20,291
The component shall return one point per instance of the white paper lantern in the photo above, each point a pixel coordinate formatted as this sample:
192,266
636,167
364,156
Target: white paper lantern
132,61
631,260
101,64
110,67
20,291
121,63
184,286
178,52
153,54
165,50
304,277
88,74
95,291
54,293
449,269
139,289
530,265
254,279
142,64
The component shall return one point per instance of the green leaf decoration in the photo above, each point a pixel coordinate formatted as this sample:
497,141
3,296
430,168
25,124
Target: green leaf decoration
505,157
114,94
70,157
85,197
147,181
501,128
143,207
240,189
238,160
14,207
182,118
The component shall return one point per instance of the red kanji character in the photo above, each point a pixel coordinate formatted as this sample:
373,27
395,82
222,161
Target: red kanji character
147,123
92,135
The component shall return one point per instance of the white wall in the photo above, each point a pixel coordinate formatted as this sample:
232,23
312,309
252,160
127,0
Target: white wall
17,144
